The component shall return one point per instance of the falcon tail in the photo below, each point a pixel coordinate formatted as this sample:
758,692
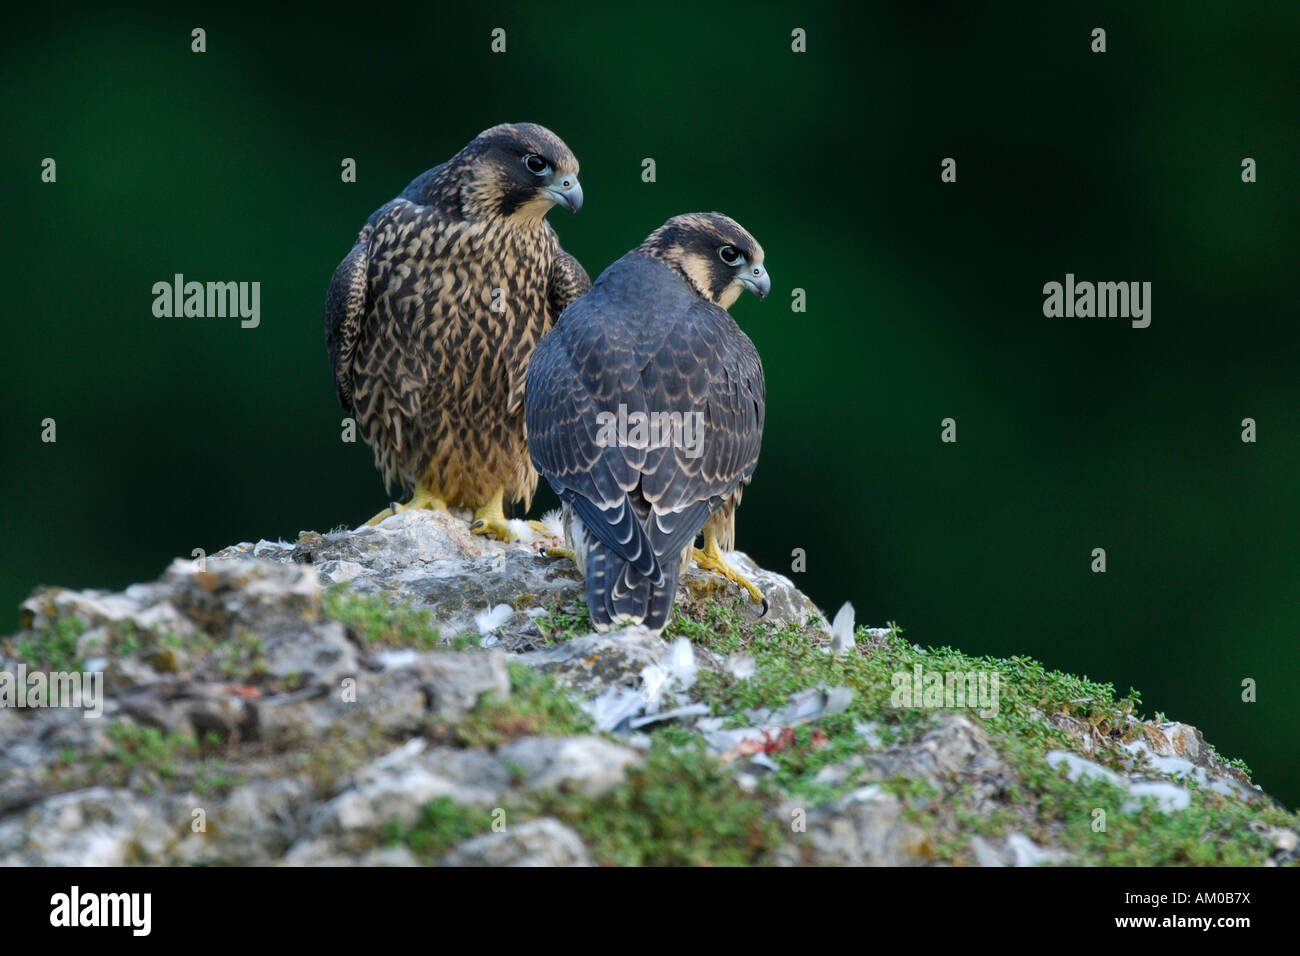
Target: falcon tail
618,594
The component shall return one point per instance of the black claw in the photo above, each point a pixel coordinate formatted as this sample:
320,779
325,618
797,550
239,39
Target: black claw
766,607
392,506
477,524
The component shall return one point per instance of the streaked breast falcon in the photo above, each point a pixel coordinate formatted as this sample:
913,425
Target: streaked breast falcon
645,411
431,318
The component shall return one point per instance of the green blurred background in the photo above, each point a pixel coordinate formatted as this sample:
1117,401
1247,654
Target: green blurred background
924,299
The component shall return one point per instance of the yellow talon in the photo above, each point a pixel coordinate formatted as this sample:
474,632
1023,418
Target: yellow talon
556,554
711,559
490,519
422,498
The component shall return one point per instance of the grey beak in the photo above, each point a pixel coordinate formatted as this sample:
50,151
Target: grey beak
756,281
567,192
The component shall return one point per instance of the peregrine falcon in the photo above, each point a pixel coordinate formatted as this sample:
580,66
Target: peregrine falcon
431,318
645,413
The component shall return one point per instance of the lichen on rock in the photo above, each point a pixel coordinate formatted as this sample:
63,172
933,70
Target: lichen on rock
413,694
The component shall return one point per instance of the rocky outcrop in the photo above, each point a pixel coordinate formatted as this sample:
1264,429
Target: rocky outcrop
413,694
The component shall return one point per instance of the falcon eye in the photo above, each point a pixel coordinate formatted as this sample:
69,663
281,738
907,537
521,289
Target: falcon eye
536,164
730,255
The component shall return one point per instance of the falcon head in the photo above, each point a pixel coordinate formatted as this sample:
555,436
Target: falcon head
713,253
518,171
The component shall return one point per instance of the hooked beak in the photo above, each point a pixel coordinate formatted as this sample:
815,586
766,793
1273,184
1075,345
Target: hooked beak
567,192
755,279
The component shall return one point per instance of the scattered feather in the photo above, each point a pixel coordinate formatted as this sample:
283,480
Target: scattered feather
654,677
804,705
489,620
614,706
412,748
393,660
842,631
741,666
681,663
690,710
554,521
522,530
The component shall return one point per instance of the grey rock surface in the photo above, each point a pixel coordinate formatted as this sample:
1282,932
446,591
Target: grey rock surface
544,842
413,694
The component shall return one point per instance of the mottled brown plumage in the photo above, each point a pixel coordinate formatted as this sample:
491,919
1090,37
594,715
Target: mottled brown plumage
431,319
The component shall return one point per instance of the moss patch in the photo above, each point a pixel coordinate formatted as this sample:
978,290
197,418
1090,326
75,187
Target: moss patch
1032,702
381,621
50,649
443,824
678,808
563,625
537,705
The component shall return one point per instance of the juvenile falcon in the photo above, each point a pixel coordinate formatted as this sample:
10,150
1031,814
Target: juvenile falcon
652,342
431,318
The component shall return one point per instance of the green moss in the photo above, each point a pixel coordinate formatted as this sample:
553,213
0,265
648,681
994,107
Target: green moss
381,621
558,625
442,824
211,776
147,748
50,649
682,807
243,657
1038,801
537,705
1236,762
385,622
128,640
679,808
330,760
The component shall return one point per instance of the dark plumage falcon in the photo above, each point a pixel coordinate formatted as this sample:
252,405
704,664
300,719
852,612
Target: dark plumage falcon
645,413
431,318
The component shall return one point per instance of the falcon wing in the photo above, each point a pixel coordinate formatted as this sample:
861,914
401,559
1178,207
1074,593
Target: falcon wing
577,372
642,339
708,369
346,305
569,280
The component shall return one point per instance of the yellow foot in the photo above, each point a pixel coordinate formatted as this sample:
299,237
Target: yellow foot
492,528
490,520
499,527
556,554
423,498
711,559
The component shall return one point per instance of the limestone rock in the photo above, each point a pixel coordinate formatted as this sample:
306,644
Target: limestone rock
544,842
